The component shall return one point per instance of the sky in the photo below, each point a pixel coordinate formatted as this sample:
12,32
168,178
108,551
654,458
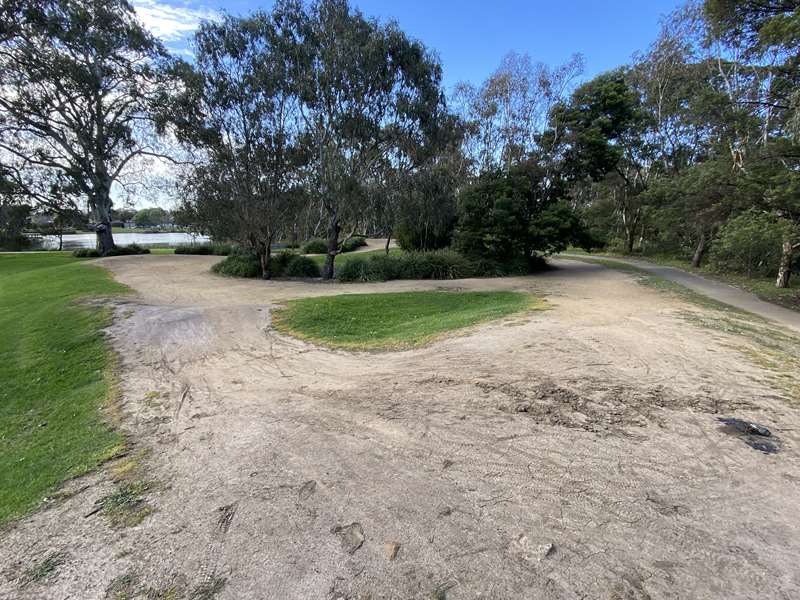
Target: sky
470,36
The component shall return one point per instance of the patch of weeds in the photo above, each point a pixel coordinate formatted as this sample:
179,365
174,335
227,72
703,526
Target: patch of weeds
44,569
127,506
122,587
208,589
170,593
129,467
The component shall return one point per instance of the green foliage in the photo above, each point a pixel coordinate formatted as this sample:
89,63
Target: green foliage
12,223
750,244
354,243
435,264
512,214
374,321
150,216
237,265
315,246
214,249
56,369
127,250
86,253
301,266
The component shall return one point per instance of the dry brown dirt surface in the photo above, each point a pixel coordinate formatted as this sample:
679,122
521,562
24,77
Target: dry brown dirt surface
570,453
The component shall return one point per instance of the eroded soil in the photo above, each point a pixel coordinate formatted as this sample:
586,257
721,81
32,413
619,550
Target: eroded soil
568,453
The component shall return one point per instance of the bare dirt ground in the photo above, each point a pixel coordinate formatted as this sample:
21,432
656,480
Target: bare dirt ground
570,453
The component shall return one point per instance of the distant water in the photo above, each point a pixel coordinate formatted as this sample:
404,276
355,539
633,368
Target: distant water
89,240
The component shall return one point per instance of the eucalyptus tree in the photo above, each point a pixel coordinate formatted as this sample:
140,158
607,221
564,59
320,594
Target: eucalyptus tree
369,94
239,107
76,80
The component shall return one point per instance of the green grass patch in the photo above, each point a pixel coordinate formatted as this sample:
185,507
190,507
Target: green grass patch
56,371
396,320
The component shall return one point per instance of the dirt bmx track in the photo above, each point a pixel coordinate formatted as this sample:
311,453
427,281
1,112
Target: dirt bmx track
569,453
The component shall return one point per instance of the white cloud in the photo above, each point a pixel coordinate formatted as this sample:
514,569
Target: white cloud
171,22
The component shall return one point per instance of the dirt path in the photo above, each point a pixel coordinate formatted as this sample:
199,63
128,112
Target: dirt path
717,290
570,453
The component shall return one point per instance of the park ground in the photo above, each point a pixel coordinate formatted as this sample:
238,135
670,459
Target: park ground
572,452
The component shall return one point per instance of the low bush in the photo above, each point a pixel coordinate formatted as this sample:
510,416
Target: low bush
436,264
301,266
354,243
213,249
116,251
127,250
85,253
238,265
749,244
315,246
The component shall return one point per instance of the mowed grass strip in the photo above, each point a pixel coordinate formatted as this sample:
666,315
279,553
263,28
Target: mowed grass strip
394,320
55,376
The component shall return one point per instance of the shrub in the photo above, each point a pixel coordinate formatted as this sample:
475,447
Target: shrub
85,253
356,269
239,265
301,266
315,246
127,250
279,262
354,243
749,244
205,249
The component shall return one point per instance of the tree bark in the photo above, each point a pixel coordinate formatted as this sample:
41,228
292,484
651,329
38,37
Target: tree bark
785,270
388,239
102,209
699,251
333,248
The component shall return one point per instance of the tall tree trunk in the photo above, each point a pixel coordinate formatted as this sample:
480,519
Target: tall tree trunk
699,251
785,270
630,236
388,239
333,247
102,210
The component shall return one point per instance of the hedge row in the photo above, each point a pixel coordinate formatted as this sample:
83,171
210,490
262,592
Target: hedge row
436,264
284,264
116,251
213,249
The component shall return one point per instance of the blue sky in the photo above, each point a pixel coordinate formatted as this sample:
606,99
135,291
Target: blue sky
472,36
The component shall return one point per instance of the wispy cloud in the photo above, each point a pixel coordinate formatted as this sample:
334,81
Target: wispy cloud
172,22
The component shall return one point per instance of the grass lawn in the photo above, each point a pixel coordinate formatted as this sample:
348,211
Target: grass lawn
56,373
397,320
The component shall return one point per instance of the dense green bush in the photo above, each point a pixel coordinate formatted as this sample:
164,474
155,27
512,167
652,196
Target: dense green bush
214,249
749,244
86,253
127,250
436,264
315,246
238,265
116,251
301,266
354,243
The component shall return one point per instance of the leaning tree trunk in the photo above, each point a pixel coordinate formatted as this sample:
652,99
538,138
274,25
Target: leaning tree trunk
333,247
388,240
700,251
785,270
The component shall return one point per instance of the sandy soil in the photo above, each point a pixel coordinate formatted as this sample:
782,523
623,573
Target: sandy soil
570,453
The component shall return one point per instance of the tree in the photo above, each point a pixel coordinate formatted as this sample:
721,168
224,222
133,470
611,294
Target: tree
150,217
516,214
600,138
240,107
76,79
369,95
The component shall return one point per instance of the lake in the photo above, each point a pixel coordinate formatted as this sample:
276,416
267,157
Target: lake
89,240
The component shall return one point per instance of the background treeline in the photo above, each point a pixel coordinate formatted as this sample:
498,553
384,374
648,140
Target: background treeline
314,121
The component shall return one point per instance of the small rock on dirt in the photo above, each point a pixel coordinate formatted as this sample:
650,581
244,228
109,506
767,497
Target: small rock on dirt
391,549
352,536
